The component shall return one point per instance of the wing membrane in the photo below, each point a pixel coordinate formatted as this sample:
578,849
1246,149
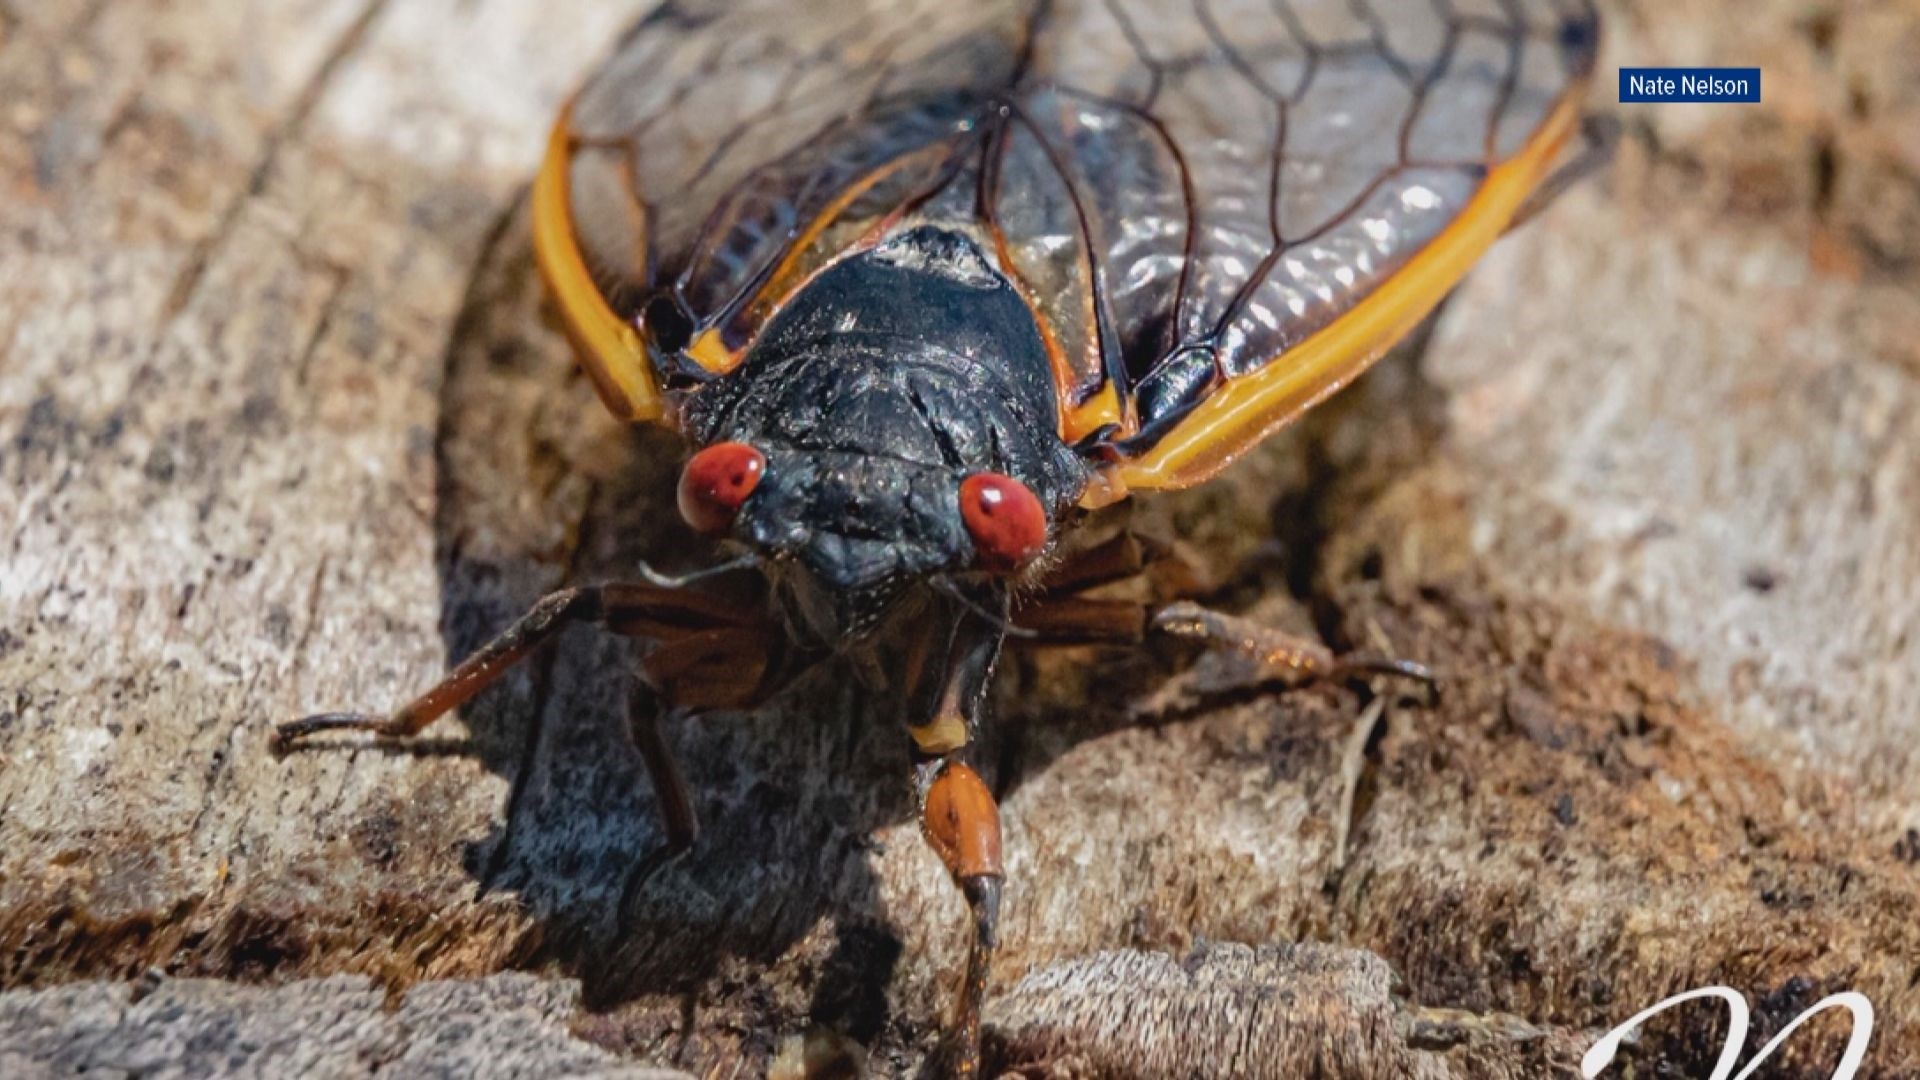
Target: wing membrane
1220,210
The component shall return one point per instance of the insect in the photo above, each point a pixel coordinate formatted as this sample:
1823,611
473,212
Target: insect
922,282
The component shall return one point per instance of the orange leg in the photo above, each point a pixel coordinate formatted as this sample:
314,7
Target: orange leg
962,824
947,668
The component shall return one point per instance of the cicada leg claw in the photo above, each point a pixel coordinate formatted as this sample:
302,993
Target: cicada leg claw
1270,654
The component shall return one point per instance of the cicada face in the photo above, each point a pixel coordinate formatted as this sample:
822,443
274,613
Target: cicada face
898,423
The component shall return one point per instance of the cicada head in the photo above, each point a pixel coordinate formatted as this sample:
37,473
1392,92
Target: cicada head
851,519
894,429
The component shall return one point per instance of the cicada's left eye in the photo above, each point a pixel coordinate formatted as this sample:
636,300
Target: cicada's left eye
1005,519
715,483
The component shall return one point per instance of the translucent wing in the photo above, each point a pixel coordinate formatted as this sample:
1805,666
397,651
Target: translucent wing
1220,210
1317,174
728,150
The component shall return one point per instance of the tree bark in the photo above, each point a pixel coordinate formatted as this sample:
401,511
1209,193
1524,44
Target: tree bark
284,427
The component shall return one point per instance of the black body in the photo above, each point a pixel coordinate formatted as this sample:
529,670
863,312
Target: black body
889,379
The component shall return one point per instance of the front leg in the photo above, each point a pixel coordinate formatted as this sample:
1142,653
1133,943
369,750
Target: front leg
666,616
961,823
703,653
948,673
1069,608
554,612
1257,654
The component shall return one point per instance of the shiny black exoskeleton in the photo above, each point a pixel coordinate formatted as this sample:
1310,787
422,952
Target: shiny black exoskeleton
875,392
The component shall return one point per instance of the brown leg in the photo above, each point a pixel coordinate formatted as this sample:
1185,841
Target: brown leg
1126,555
474,674
721,667
1274,654
962,825
678,817
1116,558
1060,611
1080,620
635,609
706,653
1062,614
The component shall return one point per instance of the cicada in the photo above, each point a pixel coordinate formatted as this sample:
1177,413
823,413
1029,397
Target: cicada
921,282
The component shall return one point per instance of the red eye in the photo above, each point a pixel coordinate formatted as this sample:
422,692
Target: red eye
716,482
1006,521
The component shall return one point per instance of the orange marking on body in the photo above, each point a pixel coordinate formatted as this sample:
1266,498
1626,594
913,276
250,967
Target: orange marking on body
711,353
1103,408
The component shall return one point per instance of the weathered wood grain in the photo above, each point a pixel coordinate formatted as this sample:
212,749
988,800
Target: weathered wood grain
283,427
500,1027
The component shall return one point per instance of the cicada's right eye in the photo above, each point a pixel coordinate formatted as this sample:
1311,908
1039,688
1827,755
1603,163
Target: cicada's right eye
1005,519
716,483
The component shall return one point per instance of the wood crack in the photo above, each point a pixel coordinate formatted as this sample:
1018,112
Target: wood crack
187,281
